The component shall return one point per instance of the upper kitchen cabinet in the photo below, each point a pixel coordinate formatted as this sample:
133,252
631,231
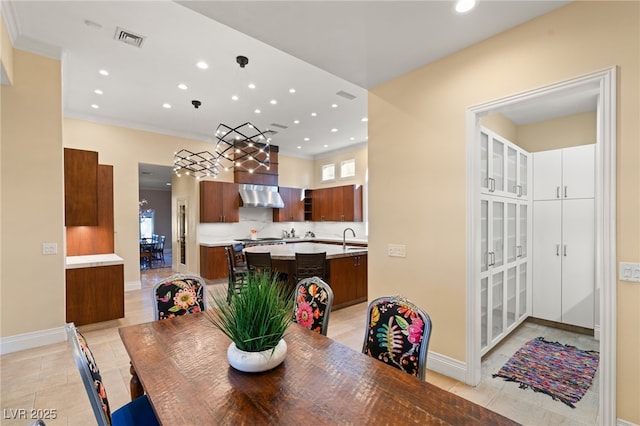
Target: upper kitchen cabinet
504,167
567,173
80,187
293,210
337,204
219,202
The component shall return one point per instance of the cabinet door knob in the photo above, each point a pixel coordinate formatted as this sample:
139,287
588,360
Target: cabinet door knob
565,192
565,250
557,192
557,249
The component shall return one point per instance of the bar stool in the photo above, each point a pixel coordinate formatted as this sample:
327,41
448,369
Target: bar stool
310,265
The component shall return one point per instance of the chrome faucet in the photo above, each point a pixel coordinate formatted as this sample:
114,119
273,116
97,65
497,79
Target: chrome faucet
344,237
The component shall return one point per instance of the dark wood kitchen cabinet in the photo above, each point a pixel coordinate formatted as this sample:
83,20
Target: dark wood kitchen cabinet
337,204
219,202
94,294
213,263
347,277
293,210
80,187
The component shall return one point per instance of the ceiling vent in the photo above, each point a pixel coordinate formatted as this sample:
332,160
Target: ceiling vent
346,95
127,37
281,126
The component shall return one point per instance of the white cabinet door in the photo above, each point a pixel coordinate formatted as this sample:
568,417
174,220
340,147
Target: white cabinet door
547,175
547,260
578,172
578,262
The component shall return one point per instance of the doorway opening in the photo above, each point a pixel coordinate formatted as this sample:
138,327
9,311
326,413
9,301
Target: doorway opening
604,84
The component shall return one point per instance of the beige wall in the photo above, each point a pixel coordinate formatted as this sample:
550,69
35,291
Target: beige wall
573,130
295,172
427,109
32,284
359,154
502,126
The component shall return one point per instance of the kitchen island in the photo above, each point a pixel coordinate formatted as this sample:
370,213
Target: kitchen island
346,268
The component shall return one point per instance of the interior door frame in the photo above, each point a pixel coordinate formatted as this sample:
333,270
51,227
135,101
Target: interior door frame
604,81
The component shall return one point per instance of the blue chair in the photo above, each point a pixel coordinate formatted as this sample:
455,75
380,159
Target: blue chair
178,295
135,413
312,304
398,334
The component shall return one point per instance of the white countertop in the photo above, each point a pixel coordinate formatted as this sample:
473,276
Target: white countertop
93,260
288,251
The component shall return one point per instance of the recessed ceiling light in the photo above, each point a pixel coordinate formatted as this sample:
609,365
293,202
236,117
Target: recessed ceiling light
182,86
273,102
352,138
326,146
292,90
251,86
334,105
306,139
94,106
98,92
299,147
296,121
463,6
234,98
313,114
166,105
364,119
334,130
257,111
103,72
202,65
168,183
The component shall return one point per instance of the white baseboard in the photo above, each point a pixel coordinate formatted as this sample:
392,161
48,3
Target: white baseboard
32,340
132,285
447,366
620,422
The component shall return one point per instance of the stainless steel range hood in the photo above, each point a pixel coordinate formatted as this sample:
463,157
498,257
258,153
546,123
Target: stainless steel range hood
260,196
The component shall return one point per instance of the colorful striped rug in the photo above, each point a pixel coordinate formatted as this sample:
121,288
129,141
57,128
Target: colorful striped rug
561,371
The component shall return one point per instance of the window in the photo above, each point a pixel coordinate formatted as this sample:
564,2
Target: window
348,168
328,172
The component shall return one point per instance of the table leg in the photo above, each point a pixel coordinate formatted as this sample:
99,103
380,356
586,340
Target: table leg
135,385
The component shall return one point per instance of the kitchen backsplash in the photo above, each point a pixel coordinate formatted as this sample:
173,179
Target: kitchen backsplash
261,219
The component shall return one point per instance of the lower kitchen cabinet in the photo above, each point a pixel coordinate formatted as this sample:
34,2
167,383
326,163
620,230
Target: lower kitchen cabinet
94,294
213,263
347,277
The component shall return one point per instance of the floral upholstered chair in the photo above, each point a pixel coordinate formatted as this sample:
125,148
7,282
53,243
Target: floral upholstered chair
398,334
179,295
312,304
137,412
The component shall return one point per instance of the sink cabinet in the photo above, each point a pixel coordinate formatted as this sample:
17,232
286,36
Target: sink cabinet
347,277
219,202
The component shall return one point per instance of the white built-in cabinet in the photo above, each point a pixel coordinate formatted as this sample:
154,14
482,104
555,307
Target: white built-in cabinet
564,235
505,227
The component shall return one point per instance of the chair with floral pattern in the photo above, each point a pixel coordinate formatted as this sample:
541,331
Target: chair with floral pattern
312,304
179,294
137,412
398,334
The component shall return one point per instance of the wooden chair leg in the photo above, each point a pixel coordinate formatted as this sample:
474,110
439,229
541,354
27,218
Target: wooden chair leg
134,385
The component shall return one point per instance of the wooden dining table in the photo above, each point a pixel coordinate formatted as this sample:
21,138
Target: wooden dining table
182,365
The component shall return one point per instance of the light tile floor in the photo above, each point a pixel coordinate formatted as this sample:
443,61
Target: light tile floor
46,378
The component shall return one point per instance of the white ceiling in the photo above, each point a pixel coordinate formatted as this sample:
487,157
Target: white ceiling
317,47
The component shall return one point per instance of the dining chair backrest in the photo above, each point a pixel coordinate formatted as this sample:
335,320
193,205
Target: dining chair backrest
397,333
310,265
239,258
179,294
258,262
312,304
237,273
137,412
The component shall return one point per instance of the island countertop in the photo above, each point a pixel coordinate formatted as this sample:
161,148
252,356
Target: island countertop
288,251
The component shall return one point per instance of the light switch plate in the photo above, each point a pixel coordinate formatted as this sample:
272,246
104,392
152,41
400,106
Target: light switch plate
629,272
397,250
49,248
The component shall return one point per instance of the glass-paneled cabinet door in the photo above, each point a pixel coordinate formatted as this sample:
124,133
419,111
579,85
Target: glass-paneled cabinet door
523,226
484,299
484,162
484,235
512,171
496,312
497,167
522,289
512,294
512,230
497,216
523,170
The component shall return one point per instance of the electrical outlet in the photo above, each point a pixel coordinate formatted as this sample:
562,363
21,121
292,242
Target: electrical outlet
49,248
397,250
629,272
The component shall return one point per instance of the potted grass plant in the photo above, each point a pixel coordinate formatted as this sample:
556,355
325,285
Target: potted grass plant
255,320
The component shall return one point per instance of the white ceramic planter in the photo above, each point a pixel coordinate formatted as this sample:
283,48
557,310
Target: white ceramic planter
254,362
